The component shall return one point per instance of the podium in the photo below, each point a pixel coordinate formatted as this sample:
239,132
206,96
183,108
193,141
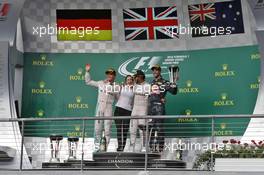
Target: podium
119,160
122,159
7,154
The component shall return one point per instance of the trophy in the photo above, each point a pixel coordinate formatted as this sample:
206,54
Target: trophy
55,147
174,73
73,144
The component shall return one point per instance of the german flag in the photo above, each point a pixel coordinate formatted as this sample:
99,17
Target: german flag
92,24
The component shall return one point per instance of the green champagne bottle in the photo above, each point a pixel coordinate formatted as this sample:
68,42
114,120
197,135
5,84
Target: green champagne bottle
103,142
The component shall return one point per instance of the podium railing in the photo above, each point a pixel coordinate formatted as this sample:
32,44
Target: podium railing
179,132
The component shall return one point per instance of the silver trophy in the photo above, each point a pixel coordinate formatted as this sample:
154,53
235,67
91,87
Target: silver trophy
55,147
174,73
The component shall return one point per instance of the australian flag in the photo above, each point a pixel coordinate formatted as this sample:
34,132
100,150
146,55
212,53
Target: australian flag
151,23
226,14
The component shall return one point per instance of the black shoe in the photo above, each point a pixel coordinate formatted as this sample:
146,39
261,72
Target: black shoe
119,150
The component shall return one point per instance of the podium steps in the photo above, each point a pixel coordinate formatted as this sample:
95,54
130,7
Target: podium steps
7,153
119,160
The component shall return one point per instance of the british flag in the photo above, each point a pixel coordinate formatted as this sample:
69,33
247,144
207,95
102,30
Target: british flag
219,14
202,11
151,23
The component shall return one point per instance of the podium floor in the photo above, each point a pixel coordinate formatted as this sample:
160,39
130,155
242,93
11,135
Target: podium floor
119,160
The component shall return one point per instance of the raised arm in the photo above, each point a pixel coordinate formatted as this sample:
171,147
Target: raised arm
89,81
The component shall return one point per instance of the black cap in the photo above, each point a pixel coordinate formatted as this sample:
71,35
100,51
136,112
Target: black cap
156,66
139,72
110,71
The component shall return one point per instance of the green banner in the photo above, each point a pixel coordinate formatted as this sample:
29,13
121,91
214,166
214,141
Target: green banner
213,81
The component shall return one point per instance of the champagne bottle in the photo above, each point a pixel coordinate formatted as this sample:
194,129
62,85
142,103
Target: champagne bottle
155,142
103,142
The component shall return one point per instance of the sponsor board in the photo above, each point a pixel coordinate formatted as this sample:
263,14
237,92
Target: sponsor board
213,81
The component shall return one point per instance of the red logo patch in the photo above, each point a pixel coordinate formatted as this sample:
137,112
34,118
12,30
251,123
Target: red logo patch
4,9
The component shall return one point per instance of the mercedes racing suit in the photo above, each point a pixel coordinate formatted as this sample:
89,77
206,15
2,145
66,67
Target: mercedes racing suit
156,106
140,108
104,106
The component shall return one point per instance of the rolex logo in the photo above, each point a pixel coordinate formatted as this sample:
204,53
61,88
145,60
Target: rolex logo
188,112
42,84
80,71
223,125
43,57
40,113
41,89
255,85
188,119
42,61
78,75
225,67
77,132
78,99
78,104
224,96
189,83
223,130
77,127
189,88
224,101
255,56
225,72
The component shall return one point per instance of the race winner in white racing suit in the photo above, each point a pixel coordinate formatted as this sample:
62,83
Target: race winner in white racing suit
140,108
104,105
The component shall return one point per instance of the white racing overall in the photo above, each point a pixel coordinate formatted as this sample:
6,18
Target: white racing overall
140,108
104,106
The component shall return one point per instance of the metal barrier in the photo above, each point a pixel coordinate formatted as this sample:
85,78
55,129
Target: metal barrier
68,143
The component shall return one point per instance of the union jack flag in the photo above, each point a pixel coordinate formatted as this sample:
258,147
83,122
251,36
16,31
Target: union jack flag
226,14
202,11
151,23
